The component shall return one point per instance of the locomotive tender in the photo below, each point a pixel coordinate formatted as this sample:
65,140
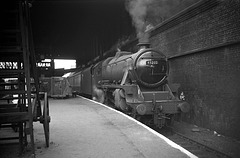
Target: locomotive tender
134,83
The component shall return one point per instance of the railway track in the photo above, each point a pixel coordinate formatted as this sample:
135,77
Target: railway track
198,149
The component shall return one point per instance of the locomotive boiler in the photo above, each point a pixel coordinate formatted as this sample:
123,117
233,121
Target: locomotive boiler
136,83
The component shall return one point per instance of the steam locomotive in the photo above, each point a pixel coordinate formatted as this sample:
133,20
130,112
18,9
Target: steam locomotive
134,83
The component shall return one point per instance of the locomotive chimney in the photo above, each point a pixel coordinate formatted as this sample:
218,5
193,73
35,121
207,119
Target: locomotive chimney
144,41
143,45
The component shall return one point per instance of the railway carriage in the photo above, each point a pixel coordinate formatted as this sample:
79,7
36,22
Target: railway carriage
57,87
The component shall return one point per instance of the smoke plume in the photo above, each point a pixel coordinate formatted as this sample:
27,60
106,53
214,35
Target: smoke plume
138,11
148,13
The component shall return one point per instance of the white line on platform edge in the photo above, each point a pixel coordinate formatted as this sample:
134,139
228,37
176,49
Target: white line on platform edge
171,143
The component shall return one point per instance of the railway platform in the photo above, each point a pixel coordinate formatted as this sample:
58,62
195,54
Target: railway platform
83,128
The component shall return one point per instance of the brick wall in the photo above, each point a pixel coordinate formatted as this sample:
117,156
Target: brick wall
203,46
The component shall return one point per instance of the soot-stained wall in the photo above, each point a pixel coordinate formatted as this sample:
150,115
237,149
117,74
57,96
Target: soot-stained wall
203,46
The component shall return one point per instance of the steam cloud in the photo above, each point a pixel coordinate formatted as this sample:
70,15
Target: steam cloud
148,13
138,11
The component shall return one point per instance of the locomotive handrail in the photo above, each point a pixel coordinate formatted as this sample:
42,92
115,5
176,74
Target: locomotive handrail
115,62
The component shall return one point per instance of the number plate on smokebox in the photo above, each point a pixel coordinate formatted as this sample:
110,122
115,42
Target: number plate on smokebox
152,62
